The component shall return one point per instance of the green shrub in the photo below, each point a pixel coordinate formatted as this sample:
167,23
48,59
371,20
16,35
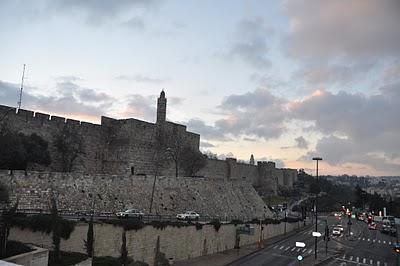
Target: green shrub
216,223
43,223
199,226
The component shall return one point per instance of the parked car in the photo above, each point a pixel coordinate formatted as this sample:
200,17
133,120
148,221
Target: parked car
188,215
340,227
131,213
336,231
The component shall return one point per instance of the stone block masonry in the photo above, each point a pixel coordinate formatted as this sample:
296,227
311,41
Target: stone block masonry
128,146
112,193
179,243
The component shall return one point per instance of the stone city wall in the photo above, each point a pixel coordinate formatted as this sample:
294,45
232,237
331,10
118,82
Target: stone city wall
208,196
114,147
177,243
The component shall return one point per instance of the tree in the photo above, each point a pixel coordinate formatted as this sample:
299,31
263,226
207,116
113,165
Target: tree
175,147
19,150
56,227
89,242
69,145
124,251
192,161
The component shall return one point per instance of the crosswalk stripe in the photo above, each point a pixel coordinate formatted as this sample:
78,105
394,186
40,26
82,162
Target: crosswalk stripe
378,263
281,247
309,252
363,238
364,260
298,250
370,262
359,238
390,242
351,258
304,250
358,259
293,248
275,246
368,239
287,248
373,240
344,256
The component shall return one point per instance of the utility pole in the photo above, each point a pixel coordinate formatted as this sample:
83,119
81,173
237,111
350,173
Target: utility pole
316,207
22,87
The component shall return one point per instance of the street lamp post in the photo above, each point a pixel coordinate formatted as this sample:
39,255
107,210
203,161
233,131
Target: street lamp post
316,206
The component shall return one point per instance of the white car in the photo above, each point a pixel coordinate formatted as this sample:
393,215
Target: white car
340,227
188,215
131,213
336,231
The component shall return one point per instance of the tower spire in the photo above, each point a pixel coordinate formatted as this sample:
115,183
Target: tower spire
161,108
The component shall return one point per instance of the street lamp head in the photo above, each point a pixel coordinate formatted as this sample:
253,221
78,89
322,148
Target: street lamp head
317,158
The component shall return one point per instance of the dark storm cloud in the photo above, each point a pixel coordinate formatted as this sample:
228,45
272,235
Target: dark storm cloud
69,98
100,11
340,42
206,131
369,126
250,43
334,28
258,113
301,143
128,13
139,106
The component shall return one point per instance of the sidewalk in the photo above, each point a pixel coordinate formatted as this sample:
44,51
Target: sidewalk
231,255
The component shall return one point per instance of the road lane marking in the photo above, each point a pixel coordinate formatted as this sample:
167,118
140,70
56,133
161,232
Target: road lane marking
358,259
281,247
287,248
351,258
309,252
275,246
293,249
364,260
344,256
378,263
304,250
298,250
370,262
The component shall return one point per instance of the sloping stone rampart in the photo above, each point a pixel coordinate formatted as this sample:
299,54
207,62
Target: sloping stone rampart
208,196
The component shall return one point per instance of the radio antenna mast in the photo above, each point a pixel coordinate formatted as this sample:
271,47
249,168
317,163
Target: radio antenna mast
22,87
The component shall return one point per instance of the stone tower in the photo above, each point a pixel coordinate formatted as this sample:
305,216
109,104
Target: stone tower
161,108
252,160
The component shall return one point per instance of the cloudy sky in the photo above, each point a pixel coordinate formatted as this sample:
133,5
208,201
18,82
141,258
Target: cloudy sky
283,80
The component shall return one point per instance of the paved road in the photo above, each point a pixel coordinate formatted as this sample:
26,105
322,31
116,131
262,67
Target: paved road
365,247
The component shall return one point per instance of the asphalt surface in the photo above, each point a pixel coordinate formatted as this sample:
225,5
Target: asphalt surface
363,247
